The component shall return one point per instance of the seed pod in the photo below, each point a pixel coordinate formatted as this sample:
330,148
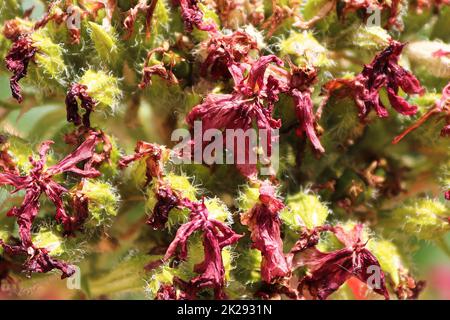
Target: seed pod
427,219
304,210
304,50
49,58
105,42
103,88
371,38
388,256
103,202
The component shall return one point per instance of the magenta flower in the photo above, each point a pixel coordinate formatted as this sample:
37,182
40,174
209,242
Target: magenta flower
17,60
264,224
40,181
216,236
383,72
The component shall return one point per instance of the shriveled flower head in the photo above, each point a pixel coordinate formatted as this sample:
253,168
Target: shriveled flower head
327,271
250,103
40,181
216,236
193,16
383,72
224,52
17,60
264,223
86,102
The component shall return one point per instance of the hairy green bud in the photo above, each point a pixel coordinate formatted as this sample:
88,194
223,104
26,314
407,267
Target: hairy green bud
105,42
103,88
304,210
427,219
103,201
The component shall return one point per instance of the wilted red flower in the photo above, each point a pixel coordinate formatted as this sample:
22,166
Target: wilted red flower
328,271
156,69
79,91
264,224
153,155
408,288
166,197
216,236
166,200
39,181
130,20
193,16
225,52
383,72
241,108
17,60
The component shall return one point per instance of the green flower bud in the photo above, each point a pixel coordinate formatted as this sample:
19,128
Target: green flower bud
20,151
249,263
305,50
304,210
427,219
161,275
49,240
105,42
103,201
49,57
103,88
4,235
371,38
218,210
248,197
388,256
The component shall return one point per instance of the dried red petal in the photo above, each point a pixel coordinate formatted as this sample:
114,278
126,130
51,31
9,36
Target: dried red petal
241,109
156,69
153,155
166,201
17,60
79,91
130,20
166,292
193,16
442,106
39,181
216,236
383,71
264,224
226,52
328,271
